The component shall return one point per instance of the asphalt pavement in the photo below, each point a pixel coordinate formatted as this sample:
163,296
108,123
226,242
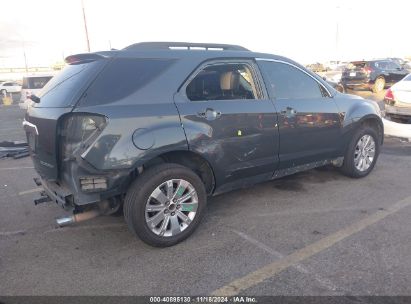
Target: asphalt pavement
313,233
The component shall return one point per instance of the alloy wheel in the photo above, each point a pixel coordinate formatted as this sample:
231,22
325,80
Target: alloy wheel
364,153
171,207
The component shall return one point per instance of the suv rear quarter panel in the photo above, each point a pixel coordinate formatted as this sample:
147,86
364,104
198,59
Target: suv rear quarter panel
135,134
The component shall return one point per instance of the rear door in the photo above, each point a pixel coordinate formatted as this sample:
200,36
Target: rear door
229,119
309,119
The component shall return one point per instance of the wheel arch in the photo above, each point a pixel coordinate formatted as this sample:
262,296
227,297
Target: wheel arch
200,165
375,122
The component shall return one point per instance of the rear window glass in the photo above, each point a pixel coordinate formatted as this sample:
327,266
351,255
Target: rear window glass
356,65
35,83
407,78
124,76
62,88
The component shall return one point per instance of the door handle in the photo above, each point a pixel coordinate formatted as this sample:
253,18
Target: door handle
289,112
209,114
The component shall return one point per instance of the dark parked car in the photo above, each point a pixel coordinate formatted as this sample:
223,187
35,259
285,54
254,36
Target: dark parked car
374,75
159,127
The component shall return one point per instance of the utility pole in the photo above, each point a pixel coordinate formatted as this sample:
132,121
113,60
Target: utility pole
25,61
85,26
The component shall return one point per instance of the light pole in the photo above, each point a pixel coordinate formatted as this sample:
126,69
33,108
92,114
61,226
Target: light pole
85,26
337,33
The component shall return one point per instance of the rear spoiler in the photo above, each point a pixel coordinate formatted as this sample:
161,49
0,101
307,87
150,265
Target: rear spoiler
83,58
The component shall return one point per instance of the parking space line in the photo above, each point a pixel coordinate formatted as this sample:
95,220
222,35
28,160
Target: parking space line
11,233
15,168
34,190
324,282
270,270
75,228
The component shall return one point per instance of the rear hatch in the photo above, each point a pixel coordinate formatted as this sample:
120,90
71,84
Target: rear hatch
57,98
356,72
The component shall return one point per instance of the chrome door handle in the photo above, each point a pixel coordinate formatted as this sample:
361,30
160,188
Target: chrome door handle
289,112
209,114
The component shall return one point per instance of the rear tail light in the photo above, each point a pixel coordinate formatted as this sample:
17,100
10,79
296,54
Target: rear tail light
367,70
79,132
389,97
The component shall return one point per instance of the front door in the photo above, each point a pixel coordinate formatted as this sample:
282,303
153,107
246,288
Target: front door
229,119
309,119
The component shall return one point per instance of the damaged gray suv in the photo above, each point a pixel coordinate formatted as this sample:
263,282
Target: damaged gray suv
156,128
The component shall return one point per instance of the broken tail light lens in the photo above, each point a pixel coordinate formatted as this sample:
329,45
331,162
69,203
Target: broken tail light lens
79,132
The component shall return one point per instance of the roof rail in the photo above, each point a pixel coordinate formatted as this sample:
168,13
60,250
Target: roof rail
184,46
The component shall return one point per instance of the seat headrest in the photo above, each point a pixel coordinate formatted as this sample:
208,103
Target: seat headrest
230,81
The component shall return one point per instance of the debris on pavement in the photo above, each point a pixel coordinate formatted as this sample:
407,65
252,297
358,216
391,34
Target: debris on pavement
13,149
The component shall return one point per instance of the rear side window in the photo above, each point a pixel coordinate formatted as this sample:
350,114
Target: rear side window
62,88
288,82
35,83
384,65
407,78
124,76
223,82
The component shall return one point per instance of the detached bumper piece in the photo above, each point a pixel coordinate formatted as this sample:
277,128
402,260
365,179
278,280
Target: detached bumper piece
13,149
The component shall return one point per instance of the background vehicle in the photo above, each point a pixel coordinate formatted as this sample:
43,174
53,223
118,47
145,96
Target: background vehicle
317,67
398,100
374,74
9,87
32,85
159,129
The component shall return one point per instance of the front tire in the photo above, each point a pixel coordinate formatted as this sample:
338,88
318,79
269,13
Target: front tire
165,204
362,153
3,92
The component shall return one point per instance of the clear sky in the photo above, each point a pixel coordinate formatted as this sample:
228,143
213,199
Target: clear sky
307,31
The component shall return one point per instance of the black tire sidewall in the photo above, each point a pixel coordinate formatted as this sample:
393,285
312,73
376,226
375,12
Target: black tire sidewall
349,166
140,191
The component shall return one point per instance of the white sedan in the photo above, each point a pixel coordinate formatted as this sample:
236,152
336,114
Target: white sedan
398,100
9,87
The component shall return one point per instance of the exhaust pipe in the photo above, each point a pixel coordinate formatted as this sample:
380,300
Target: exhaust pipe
80,217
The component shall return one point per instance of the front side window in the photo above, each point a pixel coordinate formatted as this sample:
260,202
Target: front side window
288,82
223,82
393,66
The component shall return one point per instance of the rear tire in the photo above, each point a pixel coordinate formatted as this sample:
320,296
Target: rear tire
3,92
357,151
340,88
379,85
160,218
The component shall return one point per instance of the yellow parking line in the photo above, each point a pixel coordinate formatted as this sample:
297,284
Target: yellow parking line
298,256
